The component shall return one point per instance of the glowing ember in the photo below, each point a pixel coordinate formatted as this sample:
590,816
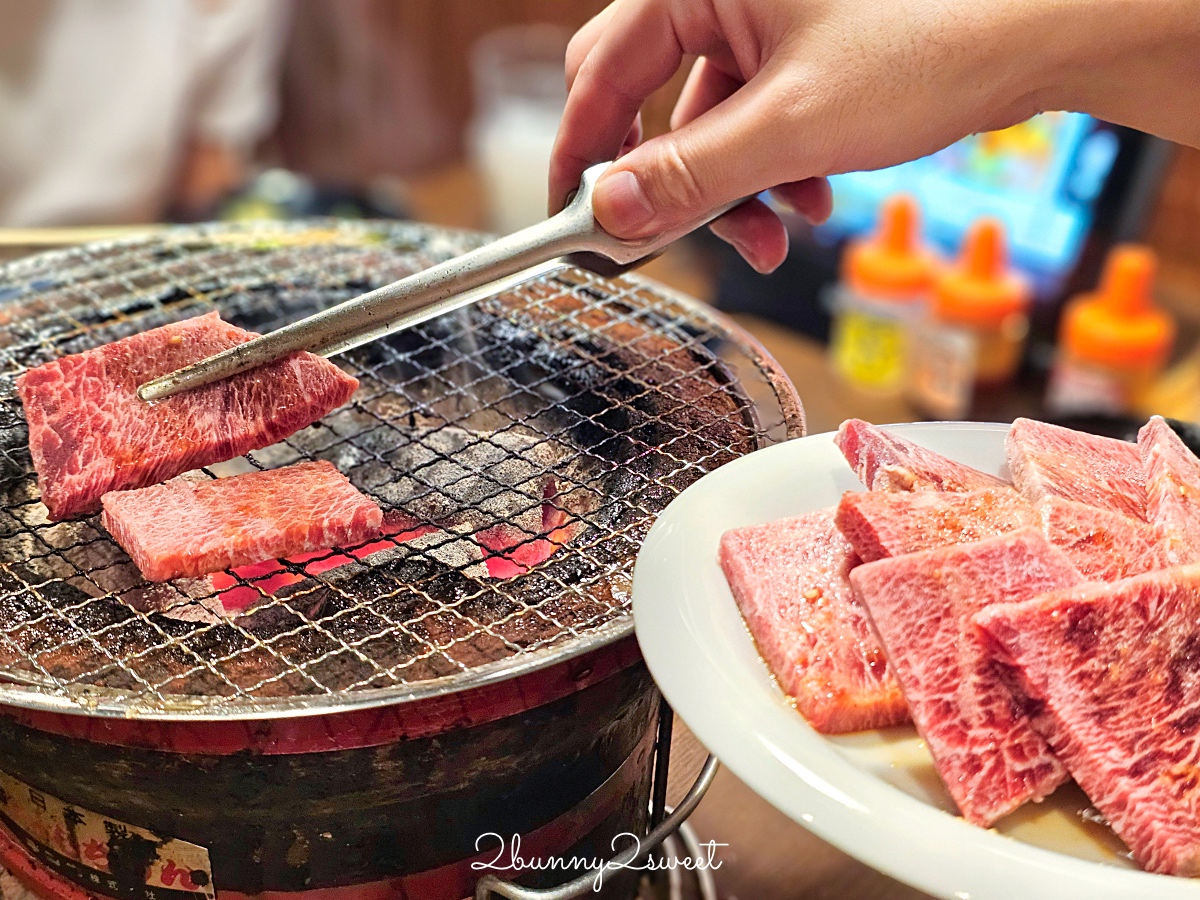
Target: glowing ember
269,576
512,551
508,550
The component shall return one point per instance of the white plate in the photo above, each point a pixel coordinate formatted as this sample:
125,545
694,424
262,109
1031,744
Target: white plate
873,794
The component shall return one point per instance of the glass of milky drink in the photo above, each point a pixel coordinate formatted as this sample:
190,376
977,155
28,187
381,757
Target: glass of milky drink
519,98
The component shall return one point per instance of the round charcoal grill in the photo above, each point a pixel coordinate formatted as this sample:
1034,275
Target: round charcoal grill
479,658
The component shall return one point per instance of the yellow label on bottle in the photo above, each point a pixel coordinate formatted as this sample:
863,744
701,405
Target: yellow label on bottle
869,350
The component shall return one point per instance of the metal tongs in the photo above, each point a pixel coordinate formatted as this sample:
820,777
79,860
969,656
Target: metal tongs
570,238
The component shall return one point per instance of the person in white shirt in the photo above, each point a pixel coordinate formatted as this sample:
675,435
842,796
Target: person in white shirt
117,111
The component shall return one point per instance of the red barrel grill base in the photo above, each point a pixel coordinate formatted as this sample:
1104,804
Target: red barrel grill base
400,819
451,882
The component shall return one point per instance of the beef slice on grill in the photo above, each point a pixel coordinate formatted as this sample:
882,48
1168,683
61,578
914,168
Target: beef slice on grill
789,580
1172,474
1103,545
1114,672
982,741
187,527
89,433
885,461
1051,461
880,524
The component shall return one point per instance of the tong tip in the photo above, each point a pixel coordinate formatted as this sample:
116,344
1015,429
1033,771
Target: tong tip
156,389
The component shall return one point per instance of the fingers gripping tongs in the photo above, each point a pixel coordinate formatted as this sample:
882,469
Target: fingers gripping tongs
571,238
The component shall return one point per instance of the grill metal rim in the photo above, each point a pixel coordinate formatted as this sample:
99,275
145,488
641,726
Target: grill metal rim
115,702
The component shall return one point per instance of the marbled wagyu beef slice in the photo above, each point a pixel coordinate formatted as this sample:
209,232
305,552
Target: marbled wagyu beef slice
789,580
884,461
982,742
1052,461
89,432
1116,671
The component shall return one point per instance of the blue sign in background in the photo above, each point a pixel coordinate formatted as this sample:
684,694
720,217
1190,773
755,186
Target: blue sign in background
1040,178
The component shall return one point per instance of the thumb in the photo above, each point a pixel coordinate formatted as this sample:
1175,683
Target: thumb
733,150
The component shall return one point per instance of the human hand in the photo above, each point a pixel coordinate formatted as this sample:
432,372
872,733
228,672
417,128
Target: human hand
788,91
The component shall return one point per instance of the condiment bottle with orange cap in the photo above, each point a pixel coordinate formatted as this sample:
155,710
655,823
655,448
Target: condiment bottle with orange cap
1112,344
979,319
885,289
984,295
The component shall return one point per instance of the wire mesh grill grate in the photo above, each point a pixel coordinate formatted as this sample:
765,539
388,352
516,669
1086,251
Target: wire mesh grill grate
520,449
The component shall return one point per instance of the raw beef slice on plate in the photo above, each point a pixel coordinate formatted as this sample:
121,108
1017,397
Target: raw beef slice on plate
1172,489
1116,668
879,524
921,604
186,527
1051,461
1101,544
89,432
789,580
885,461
